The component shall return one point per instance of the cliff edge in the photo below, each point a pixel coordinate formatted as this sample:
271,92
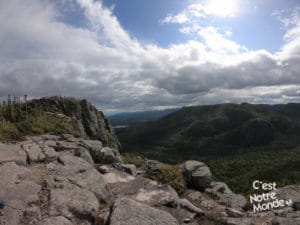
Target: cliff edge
87,119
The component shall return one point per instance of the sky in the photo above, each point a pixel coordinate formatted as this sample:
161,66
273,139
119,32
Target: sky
128,55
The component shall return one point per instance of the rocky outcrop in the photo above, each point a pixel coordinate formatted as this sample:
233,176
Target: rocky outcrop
63,180
89,121
44,180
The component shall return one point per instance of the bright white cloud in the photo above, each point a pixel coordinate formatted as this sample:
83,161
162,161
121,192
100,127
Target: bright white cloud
192,21
222,8
42,55
209,8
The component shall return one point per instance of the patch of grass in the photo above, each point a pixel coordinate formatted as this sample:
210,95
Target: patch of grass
9,131
17,121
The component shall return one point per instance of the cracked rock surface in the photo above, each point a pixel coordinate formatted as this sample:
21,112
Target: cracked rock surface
63,180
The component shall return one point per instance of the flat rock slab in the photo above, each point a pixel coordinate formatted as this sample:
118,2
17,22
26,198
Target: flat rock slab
80,173
126,211
18,190
141,189
12,153
72,201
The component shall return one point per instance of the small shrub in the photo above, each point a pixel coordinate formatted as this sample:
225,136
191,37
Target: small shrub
171,175
133,159
9,132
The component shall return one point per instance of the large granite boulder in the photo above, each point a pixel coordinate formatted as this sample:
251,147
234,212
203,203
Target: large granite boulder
93,146
153,167
126,211
101,154
109,156
197,174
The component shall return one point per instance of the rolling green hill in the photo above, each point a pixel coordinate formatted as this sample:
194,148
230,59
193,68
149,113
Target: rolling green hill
241,142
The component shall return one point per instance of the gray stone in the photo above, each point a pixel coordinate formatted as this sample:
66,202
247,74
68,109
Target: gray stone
195,196
197,174
55,220
231,200
155,195
291,192
103,169
18,190
218,187
69,138
186,204
94,147
50,154
65,146
108,156
126,211
32,213
80,173
129,168
34,152
234,213
50,143
286,221
72,201
153,167
12,153
240,221
85,154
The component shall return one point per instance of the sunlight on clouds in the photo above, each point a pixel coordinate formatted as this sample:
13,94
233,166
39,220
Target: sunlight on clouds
222,8
193,21
197,11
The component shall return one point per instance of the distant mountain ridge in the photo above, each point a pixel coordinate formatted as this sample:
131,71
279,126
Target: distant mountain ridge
240,142
233,125
127,118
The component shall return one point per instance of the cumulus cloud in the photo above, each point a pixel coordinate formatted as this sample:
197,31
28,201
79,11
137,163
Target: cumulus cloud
42,54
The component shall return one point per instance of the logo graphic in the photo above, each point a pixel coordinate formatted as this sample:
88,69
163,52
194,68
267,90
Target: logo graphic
268,200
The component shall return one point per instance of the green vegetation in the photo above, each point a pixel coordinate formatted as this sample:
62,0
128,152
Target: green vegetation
19,119
171,175
138,161
240,143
